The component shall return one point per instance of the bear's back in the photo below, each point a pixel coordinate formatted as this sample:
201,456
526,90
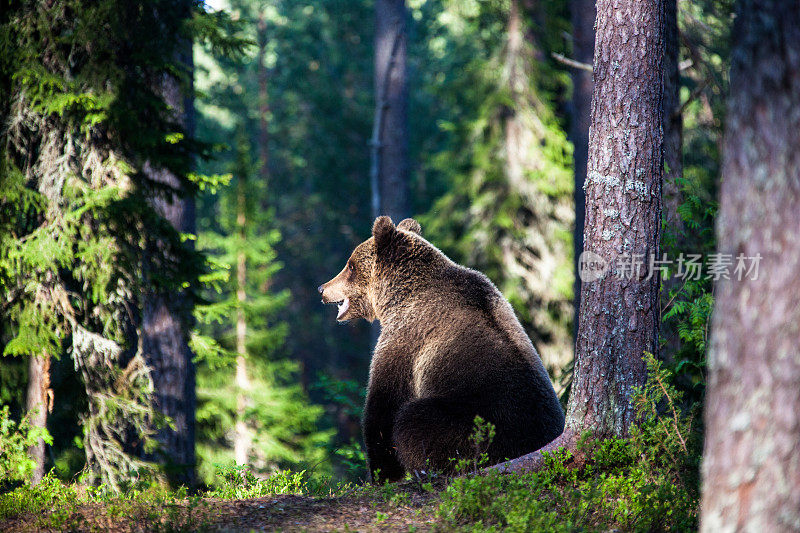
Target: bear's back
472,337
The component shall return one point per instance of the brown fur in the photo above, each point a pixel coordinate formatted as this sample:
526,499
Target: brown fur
450,348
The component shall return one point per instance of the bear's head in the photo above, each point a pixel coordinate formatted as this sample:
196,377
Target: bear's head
355,288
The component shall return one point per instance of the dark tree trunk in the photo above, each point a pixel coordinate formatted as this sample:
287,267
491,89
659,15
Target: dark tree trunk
389,166
583,15
166,319
673,121
751,472
38,402
673,162
619,315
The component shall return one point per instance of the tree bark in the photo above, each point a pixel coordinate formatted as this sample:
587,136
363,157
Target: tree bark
166,317
38,403
583,16
389,151
619,314
619,317
751,472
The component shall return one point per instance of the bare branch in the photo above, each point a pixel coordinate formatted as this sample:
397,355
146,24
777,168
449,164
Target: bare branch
571,62
695,94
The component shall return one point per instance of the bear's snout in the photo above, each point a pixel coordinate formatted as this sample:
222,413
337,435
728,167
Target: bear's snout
321,289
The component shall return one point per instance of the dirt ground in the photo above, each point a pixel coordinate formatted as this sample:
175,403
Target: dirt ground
296,513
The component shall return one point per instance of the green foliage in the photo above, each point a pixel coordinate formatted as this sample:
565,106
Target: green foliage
344,399
346,394
58,506
283,423
691,301
52,495
352,459
80,243
481,438
648,482
312,125
16,465
238,482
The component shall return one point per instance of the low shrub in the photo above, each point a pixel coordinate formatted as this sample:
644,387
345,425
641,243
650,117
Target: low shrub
647,482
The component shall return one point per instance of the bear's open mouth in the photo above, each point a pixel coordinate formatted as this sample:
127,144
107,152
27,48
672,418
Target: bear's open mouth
343,306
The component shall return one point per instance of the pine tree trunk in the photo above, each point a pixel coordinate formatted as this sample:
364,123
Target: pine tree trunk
38,403
583,15
751,472
619,314
389,150
166,320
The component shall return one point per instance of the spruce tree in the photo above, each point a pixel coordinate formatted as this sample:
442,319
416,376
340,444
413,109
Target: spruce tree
84,116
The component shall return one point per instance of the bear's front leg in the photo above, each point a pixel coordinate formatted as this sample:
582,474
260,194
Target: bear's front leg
382,462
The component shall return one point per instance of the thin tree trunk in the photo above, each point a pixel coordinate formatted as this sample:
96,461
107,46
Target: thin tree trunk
751,472
583,15
243,437
38,403
673,120
166,319
389,167
619,313
673,160
389,146
263,100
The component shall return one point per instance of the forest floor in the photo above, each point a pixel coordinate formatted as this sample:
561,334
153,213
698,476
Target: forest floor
415,510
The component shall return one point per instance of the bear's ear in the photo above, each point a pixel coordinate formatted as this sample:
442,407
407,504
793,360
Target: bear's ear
382,230
409,224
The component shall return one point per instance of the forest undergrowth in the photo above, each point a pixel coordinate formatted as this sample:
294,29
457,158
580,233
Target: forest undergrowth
647,482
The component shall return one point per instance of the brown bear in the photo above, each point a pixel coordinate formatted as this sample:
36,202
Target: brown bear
450,348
